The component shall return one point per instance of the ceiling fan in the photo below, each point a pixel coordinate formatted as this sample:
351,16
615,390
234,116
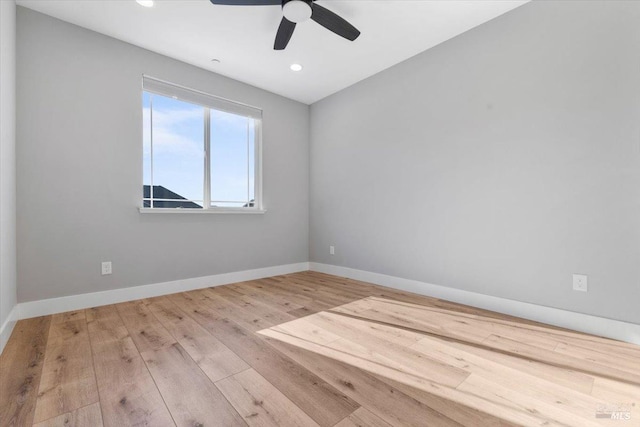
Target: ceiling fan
297,11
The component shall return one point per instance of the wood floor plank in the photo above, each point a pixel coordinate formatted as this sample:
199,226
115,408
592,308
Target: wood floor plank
397,316
386,402
21,365
578,381
329,287
244,317
322,402
189,395
524,402
565,361
618,396
360,341
68,379
192,399
304,328
303,312
260,403
282,289
615,391
456,407
399,295
318,292
381,353
602,345
420,320
255,307
554,396
359,290
295,284
362,417
381,332
310,349
469,326
354,307
214,358
485,408
399,374
128,394
540,335
623,362
82,417
67,316
147,333
255,290
367,289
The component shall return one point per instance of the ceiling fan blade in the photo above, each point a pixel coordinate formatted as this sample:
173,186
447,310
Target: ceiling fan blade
247,2
333,22
285,31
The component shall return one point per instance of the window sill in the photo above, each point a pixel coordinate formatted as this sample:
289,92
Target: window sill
218,211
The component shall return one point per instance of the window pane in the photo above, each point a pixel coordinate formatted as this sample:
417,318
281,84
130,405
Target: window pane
252,159
231,160
178,152
146,146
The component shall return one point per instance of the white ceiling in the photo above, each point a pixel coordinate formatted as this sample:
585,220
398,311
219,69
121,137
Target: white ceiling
195,31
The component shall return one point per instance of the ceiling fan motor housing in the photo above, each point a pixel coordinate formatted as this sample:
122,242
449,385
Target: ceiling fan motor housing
297,11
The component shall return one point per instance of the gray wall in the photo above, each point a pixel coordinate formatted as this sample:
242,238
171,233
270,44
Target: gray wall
79,163
499,162
7,160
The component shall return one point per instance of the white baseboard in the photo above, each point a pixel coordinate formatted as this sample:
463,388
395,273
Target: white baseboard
26,310
7,327
623,331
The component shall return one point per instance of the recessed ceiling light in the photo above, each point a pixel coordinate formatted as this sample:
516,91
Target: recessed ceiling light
145,3
296,67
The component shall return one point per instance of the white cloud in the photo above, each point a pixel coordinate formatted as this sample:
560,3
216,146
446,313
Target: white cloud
231,121
167,135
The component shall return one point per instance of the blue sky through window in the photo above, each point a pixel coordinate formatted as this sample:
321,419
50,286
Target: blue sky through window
179,149
231,158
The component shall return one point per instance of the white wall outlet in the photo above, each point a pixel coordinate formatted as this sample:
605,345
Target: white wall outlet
332,250
106,268
580,282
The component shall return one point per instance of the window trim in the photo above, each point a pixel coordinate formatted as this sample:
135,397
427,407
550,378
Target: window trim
224,211
208,102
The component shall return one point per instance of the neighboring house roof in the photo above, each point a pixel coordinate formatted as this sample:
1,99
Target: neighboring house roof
159,192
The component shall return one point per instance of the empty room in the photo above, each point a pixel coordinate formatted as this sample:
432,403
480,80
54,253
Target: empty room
319,213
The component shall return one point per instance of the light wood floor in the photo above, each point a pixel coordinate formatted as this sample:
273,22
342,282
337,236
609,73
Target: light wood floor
310,349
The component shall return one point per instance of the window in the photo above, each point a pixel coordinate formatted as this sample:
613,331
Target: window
200,152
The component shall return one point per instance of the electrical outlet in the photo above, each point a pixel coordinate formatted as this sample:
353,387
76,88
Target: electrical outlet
106,268
332,250
580,282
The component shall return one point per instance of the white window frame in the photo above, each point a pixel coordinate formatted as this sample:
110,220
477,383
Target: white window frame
209,102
